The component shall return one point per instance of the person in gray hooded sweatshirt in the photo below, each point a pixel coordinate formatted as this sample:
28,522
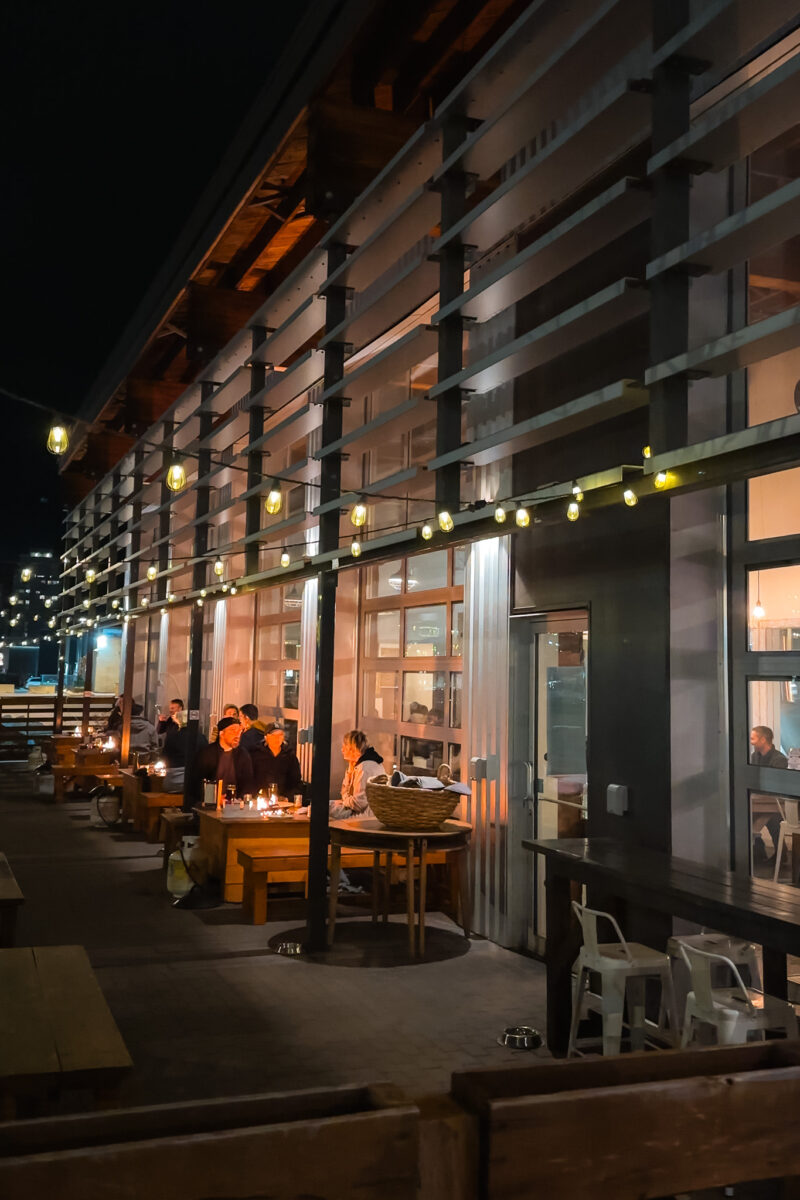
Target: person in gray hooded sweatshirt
143,734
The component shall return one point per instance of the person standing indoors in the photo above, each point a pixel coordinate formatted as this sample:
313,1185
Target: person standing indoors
363,764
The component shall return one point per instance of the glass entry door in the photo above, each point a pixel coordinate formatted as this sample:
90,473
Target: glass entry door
549,737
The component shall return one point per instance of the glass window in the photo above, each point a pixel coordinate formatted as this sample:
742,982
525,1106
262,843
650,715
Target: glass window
420,755
455,700
291,688
454,759
457,630
773,605
292,596
426,631
774,734
381,692
427,571
383,634
459,565
424,697
767,812
269,642
384,579
291,640
773,505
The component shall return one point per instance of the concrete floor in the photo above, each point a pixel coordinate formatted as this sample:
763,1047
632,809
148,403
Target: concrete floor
207,1008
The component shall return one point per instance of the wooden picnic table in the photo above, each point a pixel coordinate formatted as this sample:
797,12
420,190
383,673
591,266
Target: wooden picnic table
63,775
56,1029
223,836
636,878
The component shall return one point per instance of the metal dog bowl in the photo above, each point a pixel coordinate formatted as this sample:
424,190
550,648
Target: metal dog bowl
520,1037
291,949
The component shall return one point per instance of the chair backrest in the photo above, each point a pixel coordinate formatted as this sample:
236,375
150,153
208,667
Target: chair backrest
700,963
588,918
790,810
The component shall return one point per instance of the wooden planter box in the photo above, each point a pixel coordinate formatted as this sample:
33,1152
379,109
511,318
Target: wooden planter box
637,1126
344,1142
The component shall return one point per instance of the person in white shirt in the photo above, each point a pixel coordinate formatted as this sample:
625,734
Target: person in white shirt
363,764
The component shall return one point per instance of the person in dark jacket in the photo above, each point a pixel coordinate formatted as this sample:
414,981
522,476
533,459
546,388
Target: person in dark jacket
224,759
171,721
253,742
282,766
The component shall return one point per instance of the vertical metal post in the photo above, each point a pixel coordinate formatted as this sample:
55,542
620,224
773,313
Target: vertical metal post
88,683
255,460
330,488
199,571
127,693
164,518
58,707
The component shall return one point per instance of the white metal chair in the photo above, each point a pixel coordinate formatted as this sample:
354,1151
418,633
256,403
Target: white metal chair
620,965
733,1012
743,953
789,827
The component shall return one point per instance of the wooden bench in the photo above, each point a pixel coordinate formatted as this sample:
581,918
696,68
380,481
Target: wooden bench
175,824
147,810
10,899
281,863
57,1030
64,775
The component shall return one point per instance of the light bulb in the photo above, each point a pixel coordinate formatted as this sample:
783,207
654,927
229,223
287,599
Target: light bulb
26,574
647,452
426,532
355,547
500,515
86,604
285,559
522,517
660,480
145,602
577,493
115,603
225,587
219,567
126,617
203,592
57,440
274,501
233,591
630,498
358,514
90,575
759,612
48,603
171,597
152,571
176,477
573,510
445,521
199,601
12,600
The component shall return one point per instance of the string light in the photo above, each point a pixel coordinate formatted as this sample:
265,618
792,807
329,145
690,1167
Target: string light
285,559
759,612
115,603
630,498
199,602
233,590
573,510
176,477
355,548
426,532
445,521
203,592
26,574
57,440
358,514
219,568
274,501
647,452
660,480
145,602
90,575
577,493
500,515
171,598
152,571
522,517
86,603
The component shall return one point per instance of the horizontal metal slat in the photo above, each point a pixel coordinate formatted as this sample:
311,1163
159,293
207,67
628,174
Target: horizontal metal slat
753,343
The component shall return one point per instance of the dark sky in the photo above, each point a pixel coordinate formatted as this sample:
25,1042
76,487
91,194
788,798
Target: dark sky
115,114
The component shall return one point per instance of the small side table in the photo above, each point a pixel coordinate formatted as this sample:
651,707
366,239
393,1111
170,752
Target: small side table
369,834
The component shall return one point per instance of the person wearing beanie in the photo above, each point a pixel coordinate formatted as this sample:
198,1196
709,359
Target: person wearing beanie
224,759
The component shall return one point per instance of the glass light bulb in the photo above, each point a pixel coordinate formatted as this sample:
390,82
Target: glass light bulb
115,603
577,493
660,480
152,571
285,559
274,501
445,521
145,602
171,597
48,603
522,517
500,515
647,452
203,592
90,575
426,532
86,604
233,591
219,567
573,510
759,612
57,440
199,601
176,477
26,574
358,514
355,547
630,498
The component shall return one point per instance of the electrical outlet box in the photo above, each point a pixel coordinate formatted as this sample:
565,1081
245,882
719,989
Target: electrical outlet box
617,799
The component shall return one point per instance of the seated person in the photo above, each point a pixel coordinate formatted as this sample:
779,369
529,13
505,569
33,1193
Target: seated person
765,753
282,765
114,719
143,734
224,759
170,719
363,764
230,710
253,742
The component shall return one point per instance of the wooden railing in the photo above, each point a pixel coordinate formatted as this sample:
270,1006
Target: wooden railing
27,720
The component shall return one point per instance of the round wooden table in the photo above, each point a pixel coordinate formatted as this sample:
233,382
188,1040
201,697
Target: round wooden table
452,837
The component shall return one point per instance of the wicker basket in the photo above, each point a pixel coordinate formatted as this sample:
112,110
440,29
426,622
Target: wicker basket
409,808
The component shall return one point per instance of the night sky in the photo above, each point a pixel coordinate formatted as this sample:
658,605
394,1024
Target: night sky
109,133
